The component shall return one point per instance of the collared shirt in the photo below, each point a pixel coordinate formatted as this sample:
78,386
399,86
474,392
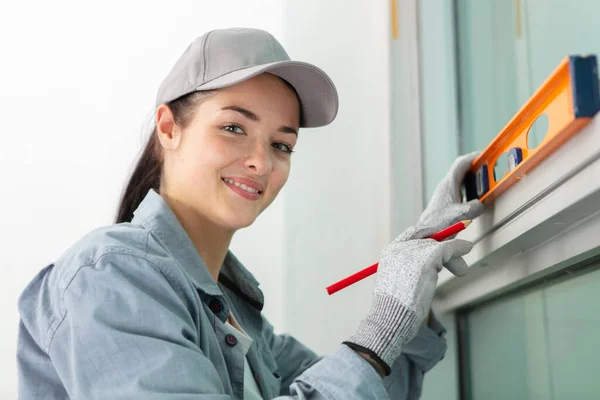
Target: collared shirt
251,389
131,312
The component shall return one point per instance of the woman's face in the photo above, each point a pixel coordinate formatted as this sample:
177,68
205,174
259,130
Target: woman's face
231,161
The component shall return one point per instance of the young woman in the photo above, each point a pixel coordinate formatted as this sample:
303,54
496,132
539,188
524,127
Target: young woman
156,307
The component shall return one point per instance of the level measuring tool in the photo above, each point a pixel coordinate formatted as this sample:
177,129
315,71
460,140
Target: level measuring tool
569,98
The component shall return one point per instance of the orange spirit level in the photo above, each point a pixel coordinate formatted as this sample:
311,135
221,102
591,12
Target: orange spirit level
569,98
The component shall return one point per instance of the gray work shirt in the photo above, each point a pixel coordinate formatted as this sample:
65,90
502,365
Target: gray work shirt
130,312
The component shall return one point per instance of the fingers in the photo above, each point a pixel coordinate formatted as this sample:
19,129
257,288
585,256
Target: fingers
457,212
467,159
469,210
462,165
474,209
457,266
416,232
472,156
455,248
452,252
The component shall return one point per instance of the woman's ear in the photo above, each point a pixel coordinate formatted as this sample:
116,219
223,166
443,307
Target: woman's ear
167,130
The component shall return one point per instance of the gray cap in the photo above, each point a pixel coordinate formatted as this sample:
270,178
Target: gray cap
224,57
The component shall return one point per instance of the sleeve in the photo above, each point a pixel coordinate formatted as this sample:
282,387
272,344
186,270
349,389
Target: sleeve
419,355
126,334
342,374
429,346
291,356
345,375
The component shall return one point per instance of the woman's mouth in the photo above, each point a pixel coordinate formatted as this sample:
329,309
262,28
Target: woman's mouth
247,191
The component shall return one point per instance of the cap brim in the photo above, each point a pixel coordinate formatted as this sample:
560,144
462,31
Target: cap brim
317,93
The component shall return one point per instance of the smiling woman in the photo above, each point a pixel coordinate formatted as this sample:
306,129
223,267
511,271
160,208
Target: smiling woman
227,163
156,305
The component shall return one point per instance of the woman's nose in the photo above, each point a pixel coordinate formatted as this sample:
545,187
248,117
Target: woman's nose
259,159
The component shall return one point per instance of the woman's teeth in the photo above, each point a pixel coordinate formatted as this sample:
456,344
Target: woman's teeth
241,186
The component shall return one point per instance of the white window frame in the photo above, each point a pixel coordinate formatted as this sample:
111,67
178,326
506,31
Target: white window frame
406,139
546,222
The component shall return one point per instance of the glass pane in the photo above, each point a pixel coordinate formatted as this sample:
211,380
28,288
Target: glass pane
487,69
541,344
573,324
499,349
439,111
556,29
507,49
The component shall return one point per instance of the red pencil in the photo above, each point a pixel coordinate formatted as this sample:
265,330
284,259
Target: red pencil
360,275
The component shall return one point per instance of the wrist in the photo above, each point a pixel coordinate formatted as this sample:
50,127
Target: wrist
388,326
377,366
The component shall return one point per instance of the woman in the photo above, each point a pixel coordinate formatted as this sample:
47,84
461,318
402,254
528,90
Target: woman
156,307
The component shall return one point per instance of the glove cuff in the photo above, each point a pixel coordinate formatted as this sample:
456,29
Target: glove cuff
388,326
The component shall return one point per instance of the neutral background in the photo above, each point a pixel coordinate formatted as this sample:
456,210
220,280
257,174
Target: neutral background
77,87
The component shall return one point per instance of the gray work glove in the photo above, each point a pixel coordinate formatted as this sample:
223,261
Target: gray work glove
446,207
406,281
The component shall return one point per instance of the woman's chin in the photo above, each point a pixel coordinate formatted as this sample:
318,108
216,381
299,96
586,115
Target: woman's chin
241,221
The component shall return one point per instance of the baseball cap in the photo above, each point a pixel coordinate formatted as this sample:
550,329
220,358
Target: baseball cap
225,57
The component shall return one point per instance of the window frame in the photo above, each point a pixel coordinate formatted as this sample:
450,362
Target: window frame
544,225
549,208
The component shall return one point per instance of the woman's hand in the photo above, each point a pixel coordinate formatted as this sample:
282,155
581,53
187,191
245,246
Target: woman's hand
405,284
446,206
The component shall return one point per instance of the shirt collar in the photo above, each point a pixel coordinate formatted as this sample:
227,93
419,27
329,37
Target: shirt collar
237,278
155,215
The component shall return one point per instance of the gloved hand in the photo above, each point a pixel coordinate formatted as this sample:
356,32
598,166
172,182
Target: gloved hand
446,207
405,284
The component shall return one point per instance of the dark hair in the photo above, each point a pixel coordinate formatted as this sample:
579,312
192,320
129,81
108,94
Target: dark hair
148,170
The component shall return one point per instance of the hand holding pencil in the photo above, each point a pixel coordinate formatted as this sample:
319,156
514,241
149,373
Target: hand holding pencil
405,283
408,268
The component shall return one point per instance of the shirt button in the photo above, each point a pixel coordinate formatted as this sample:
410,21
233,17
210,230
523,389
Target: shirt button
230,340
216,306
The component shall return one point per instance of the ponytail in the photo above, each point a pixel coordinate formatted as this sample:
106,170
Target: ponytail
145,176
148,170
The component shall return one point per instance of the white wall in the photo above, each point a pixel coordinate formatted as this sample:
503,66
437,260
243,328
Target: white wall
337,211
77,82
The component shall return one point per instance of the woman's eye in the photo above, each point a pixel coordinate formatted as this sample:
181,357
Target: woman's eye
283,147
234,129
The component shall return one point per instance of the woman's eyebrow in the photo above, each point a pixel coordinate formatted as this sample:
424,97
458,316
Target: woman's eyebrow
246,113
287,129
